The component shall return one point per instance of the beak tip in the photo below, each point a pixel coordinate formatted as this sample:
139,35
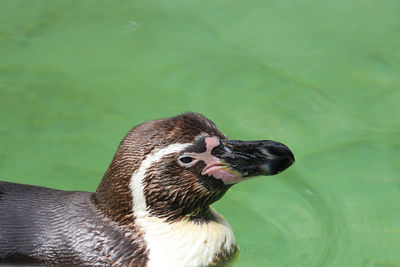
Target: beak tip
292,159
282,159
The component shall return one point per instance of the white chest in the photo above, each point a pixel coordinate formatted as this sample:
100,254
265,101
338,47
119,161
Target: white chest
186,243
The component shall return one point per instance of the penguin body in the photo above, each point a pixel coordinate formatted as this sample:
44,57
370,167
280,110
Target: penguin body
152,207
48,226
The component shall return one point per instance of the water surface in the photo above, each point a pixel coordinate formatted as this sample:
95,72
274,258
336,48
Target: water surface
321,77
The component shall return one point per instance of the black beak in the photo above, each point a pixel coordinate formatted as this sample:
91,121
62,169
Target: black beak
253,158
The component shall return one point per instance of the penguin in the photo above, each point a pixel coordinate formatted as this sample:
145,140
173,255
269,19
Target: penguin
152,207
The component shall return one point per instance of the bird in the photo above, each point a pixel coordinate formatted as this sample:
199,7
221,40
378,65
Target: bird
152,206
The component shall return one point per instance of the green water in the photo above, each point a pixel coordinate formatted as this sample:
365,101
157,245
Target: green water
323,77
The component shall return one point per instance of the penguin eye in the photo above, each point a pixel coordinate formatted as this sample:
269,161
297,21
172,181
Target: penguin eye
187,161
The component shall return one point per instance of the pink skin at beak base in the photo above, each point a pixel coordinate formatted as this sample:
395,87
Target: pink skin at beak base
214,166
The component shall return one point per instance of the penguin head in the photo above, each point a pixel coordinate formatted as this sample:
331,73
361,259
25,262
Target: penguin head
176,167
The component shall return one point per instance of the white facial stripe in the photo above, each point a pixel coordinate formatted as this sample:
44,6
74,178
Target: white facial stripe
137,184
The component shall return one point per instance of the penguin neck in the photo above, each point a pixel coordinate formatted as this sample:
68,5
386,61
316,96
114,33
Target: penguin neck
113,198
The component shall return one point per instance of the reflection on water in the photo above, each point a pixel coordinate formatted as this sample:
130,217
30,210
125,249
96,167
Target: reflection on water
322,78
